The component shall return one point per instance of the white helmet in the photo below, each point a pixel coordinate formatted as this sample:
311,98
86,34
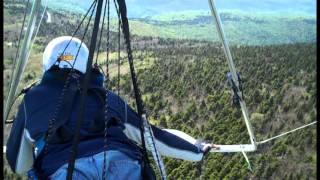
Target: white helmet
54,51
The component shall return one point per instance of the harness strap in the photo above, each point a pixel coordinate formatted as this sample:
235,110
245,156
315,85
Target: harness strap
59,130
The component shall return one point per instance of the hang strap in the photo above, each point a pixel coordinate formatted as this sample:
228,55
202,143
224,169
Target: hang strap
145,126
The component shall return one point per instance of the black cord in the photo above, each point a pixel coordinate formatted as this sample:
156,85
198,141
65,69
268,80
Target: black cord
119,48
74,33
101,31
106,101
84,34
108,42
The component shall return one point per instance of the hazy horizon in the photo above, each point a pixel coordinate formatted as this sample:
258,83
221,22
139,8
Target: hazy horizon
143,8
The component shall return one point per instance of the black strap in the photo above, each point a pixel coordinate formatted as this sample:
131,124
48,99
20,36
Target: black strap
140,107
146,170
97,123
66,108
100,92
75,142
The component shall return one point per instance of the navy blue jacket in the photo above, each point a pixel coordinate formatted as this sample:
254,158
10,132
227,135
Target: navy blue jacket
123,125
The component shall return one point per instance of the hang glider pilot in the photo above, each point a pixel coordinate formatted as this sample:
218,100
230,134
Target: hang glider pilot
42,133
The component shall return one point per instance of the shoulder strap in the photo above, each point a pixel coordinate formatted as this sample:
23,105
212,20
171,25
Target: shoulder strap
99,91
67,104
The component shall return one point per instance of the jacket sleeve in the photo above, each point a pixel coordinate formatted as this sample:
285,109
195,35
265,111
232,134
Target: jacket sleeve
175,145
19,152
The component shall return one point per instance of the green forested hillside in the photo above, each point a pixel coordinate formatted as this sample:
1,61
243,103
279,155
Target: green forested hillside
240,28
184,87
186,90
245,28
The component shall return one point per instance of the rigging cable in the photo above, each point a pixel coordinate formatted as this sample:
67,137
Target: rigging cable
74,33
108,41
101,31
119,48
282,134
106,101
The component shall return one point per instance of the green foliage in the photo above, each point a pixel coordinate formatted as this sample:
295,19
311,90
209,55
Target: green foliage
276,104
250,29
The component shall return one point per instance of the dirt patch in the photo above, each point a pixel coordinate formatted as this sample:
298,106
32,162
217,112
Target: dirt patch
174,104
295,92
